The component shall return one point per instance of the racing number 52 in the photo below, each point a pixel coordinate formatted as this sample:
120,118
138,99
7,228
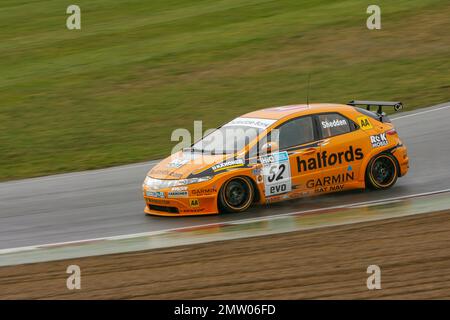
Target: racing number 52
280,169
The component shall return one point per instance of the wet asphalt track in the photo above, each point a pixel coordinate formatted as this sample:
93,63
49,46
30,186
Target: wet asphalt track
108,202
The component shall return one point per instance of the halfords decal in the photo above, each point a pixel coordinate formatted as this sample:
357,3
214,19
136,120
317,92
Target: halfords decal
334,123
228,165
323,159
379,140
334,182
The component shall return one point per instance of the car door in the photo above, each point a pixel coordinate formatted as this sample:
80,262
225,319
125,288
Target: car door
341,153
297,140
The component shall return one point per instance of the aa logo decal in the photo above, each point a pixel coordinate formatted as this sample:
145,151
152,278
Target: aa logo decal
364,123
194,203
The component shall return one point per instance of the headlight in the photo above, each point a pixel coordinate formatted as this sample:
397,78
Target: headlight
156,184
184,182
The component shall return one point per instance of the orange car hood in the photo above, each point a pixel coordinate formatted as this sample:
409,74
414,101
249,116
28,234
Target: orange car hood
182,164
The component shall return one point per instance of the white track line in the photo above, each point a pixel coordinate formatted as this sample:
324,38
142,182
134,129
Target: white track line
420,112
241,221
350,205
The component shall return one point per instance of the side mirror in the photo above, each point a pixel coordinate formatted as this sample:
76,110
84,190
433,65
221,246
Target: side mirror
270,147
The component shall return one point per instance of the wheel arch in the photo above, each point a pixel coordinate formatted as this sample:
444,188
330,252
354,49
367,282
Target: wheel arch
256,190
372,155
387,151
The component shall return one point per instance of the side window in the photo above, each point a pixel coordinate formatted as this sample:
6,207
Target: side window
333,124
296,132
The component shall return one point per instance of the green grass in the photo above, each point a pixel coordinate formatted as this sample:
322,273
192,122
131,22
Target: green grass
113,92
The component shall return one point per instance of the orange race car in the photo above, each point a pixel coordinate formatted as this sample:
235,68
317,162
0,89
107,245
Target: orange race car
278,154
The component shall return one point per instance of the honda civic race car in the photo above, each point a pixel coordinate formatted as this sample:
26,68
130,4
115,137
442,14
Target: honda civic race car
278,154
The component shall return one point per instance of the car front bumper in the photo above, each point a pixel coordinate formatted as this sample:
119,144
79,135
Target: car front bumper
189,205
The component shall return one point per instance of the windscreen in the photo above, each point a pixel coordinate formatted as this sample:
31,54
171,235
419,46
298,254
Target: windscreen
233,136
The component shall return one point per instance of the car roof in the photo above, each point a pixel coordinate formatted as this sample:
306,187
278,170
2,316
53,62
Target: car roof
278,113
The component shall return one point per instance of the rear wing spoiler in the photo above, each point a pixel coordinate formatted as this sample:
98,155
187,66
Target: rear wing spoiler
380,104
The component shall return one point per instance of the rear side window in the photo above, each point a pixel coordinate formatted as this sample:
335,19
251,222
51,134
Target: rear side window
334,124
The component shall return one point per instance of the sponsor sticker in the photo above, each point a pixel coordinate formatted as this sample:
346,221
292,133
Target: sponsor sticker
158,201
334,123
324,159
257,171
259,179
155,194
296,195
177,194
193,210
183,159
251,122
330,183
364,123
276,173
193,203
273,199
202,192
179,188
177,163
275,157
379,140
228,165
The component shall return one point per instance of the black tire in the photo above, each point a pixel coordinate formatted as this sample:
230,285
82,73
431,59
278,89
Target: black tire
382,171
236,195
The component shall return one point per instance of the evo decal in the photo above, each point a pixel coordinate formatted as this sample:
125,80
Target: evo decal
276,173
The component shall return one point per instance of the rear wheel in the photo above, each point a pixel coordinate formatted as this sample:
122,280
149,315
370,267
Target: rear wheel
382,171
236,195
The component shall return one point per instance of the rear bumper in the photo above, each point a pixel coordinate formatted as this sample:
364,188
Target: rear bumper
401,154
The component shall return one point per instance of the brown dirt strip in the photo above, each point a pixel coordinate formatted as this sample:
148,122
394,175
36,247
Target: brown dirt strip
413,254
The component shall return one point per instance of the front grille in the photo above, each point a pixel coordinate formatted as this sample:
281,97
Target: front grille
163,208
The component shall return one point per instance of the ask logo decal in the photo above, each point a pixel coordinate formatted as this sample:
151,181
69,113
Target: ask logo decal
379,140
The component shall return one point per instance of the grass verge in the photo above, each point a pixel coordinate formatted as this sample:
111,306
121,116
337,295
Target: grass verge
113,92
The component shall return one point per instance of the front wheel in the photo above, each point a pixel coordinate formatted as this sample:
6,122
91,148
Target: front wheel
236,195
382,171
